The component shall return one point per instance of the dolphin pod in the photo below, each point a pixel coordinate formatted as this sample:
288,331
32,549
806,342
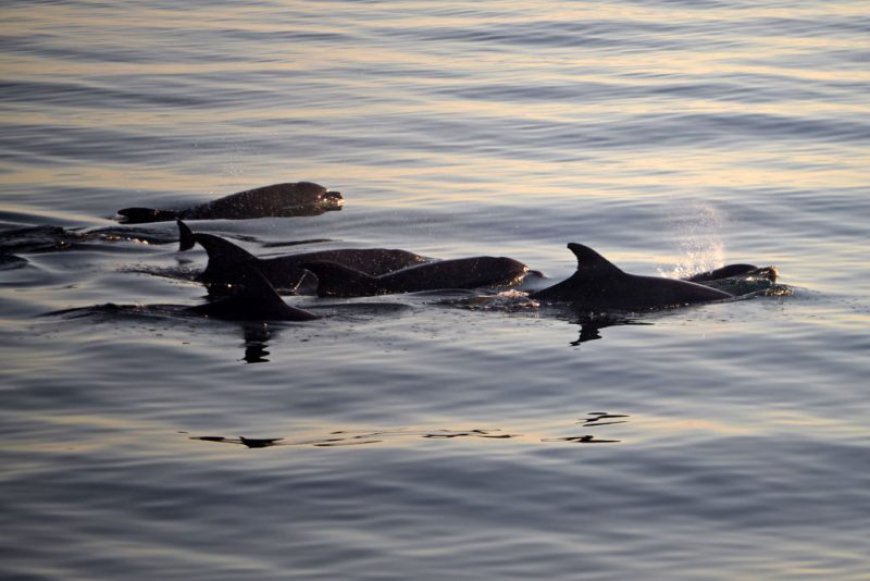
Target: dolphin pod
227,261
599,284
596,285
353,272
281,200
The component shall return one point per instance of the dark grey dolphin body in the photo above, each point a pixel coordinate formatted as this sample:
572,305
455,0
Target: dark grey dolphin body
254,299
335,280
728,271
600,285
739,279
281,200
227,261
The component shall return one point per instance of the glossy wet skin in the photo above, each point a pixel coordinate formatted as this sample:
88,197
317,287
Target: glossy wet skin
277,200
285,272
467,273
254,300
299,199
598,284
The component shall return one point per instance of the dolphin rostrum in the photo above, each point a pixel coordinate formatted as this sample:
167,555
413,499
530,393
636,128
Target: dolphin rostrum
599,284
281,200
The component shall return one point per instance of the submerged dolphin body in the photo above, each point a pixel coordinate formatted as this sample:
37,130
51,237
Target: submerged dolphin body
227,261
253,299
335,280
281,200
599,284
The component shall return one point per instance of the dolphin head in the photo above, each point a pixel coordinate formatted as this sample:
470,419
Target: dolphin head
317,194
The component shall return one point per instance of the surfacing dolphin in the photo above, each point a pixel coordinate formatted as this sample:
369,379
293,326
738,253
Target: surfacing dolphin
739,279
227,261
335,280
727,271
280,200
254,299
598,284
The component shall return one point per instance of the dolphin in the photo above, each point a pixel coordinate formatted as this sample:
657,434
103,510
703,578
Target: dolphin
727,271
336,280
226,261
254,300
739,279
599,284
282,200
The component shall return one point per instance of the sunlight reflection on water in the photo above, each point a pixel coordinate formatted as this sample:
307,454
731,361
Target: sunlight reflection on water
670,136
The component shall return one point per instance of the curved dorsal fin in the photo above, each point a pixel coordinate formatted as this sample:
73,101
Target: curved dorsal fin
257,299
186,237
225,259
590,261
222,251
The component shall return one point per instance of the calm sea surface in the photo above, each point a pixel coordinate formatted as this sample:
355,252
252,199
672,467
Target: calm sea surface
424,440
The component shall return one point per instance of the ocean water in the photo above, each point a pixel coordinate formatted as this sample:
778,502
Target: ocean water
423,438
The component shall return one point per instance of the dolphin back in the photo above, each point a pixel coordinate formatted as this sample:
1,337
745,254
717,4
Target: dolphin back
283,200
335,280
598,284
146,215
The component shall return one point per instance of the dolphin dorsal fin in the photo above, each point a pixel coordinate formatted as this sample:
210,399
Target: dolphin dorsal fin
225,259
590,261
255,287
255,300
222,251
186,237
263,301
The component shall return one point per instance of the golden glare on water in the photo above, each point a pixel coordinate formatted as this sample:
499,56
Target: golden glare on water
445,434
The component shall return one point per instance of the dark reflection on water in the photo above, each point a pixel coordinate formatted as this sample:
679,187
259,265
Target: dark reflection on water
596,417
590,326
354,438
257,336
